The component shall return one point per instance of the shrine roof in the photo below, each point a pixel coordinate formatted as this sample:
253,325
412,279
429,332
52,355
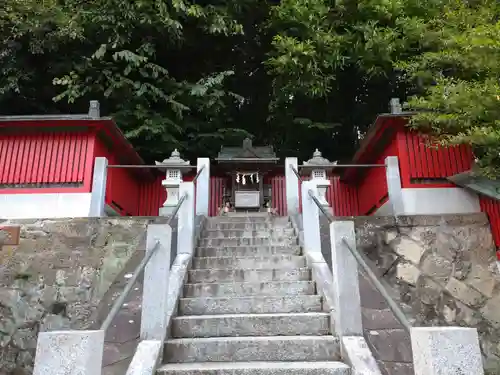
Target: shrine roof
247,153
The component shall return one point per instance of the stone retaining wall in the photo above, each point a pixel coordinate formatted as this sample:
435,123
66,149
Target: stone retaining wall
442,270
63,275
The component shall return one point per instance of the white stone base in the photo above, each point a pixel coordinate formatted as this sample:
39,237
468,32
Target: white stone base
47,206
434,201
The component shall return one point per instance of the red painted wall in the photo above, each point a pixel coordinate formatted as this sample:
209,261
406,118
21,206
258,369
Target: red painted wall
122,186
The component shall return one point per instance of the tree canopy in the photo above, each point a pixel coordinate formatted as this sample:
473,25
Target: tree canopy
296,74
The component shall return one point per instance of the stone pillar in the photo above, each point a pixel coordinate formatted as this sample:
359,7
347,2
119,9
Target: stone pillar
310,218
185,226
395,190
98,194
69,353
155,284
446,351
345,280
292,186
202,186
146,358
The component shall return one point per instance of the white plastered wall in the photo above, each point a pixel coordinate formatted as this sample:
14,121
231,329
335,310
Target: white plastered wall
429,201
33,206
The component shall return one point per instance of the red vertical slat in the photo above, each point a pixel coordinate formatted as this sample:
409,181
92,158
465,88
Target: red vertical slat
66,160
37,159
30,170
13,161
59,158
82,157
20,173
3,146
76,158
47,159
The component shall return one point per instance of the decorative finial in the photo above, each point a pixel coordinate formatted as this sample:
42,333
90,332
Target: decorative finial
94,109
247,143
174,160
395,106
317,159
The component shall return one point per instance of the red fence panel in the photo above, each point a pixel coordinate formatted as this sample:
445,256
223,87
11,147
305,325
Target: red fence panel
217,190
342,198
278,190
491,207
45,160
152,195
431,165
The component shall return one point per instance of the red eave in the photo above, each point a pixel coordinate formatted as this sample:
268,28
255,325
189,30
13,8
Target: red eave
384,126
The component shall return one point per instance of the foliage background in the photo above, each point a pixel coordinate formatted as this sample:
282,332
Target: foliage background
296,74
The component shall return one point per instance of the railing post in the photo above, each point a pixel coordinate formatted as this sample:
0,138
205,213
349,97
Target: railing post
310,218
69,353
202,186
291,186
98,194
446,351
345,280
185,226
155,285
394,188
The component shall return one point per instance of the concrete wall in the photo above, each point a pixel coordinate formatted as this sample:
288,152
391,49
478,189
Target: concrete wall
430,201
442,269
65,274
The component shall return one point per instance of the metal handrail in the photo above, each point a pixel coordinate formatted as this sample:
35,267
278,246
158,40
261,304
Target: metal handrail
198,173
130,283
398,313
296,172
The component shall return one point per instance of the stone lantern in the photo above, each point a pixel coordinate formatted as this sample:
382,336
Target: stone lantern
175,167
318,168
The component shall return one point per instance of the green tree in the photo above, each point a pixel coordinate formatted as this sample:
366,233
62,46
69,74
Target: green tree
457,80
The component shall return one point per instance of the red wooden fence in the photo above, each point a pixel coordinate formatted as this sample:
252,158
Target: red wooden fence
278,190
58,162
491,207
423,164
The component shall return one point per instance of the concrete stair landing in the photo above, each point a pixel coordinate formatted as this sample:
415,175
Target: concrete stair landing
249,306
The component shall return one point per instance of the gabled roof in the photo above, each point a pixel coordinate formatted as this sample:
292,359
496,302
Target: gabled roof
384,127
247,152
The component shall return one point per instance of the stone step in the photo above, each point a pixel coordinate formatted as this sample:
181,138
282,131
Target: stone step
273,288
256,368
230,225
274,261
250,305
248,241
248,275
315,324
268,232
264,218
247,251
248,349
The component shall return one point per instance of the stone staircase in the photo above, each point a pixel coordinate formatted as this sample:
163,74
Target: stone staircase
249,306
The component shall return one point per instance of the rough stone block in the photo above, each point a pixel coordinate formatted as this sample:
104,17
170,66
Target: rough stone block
446,351
69,352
